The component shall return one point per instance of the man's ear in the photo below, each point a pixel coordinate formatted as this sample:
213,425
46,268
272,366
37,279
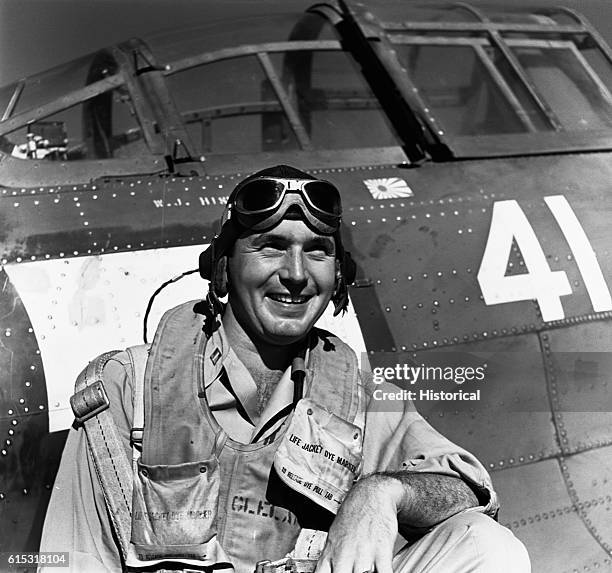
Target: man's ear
220,277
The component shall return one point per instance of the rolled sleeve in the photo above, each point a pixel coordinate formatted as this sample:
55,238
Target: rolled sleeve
398,438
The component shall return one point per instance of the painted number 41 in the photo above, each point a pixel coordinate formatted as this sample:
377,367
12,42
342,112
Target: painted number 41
539,283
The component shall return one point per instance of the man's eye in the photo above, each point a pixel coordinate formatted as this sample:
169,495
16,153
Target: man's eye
272,246
327,248
321,251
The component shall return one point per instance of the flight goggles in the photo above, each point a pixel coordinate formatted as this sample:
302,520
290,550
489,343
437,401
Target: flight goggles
261,203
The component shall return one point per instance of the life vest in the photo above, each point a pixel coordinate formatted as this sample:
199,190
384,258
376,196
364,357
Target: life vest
200,498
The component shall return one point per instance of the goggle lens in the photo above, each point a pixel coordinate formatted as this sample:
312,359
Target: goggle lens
259,195
323,196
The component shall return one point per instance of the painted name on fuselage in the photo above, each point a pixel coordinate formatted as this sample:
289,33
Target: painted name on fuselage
200,202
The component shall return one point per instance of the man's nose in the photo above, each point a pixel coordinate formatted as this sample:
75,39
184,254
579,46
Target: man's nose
293,269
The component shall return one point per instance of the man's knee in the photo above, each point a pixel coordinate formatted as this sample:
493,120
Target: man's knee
495,547
469,542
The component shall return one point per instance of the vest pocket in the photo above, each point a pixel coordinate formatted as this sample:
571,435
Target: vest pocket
174,510
320,455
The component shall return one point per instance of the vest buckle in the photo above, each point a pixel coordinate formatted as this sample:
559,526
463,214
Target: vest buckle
136,436
89,402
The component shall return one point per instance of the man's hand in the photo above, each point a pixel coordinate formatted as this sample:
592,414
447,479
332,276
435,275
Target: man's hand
363,533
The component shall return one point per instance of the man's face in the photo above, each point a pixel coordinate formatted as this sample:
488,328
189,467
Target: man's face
280,281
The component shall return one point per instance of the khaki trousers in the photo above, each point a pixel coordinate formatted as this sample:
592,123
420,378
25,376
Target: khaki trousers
468,542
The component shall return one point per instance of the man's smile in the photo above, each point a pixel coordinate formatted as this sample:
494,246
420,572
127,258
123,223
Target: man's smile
289,299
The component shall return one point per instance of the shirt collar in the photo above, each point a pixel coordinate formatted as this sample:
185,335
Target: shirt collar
219,355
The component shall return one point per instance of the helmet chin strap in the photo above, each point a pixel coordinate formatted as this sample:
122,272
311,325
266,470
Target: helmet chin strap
212,309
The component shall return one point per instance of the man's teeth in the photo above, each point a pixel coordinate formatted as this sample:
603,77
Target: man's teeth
288,299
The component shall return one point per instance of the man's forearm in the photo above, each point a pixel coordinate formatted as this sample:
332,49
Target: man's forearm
423,499
362,535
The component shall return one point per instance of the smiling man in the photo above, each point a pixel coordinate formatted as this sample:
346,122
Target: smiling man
253,434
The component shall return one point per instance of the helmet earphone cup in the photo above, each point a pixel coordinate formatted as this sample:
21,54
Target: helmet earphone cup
206,261
213,260
214,271
349,268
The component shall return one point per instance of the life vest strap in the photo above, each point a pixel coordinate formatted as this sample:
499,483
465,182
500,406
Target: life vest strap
91,407
138,360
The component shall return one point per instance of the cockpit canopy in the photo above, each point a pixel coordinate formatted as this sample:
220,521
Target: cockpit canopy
440,83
